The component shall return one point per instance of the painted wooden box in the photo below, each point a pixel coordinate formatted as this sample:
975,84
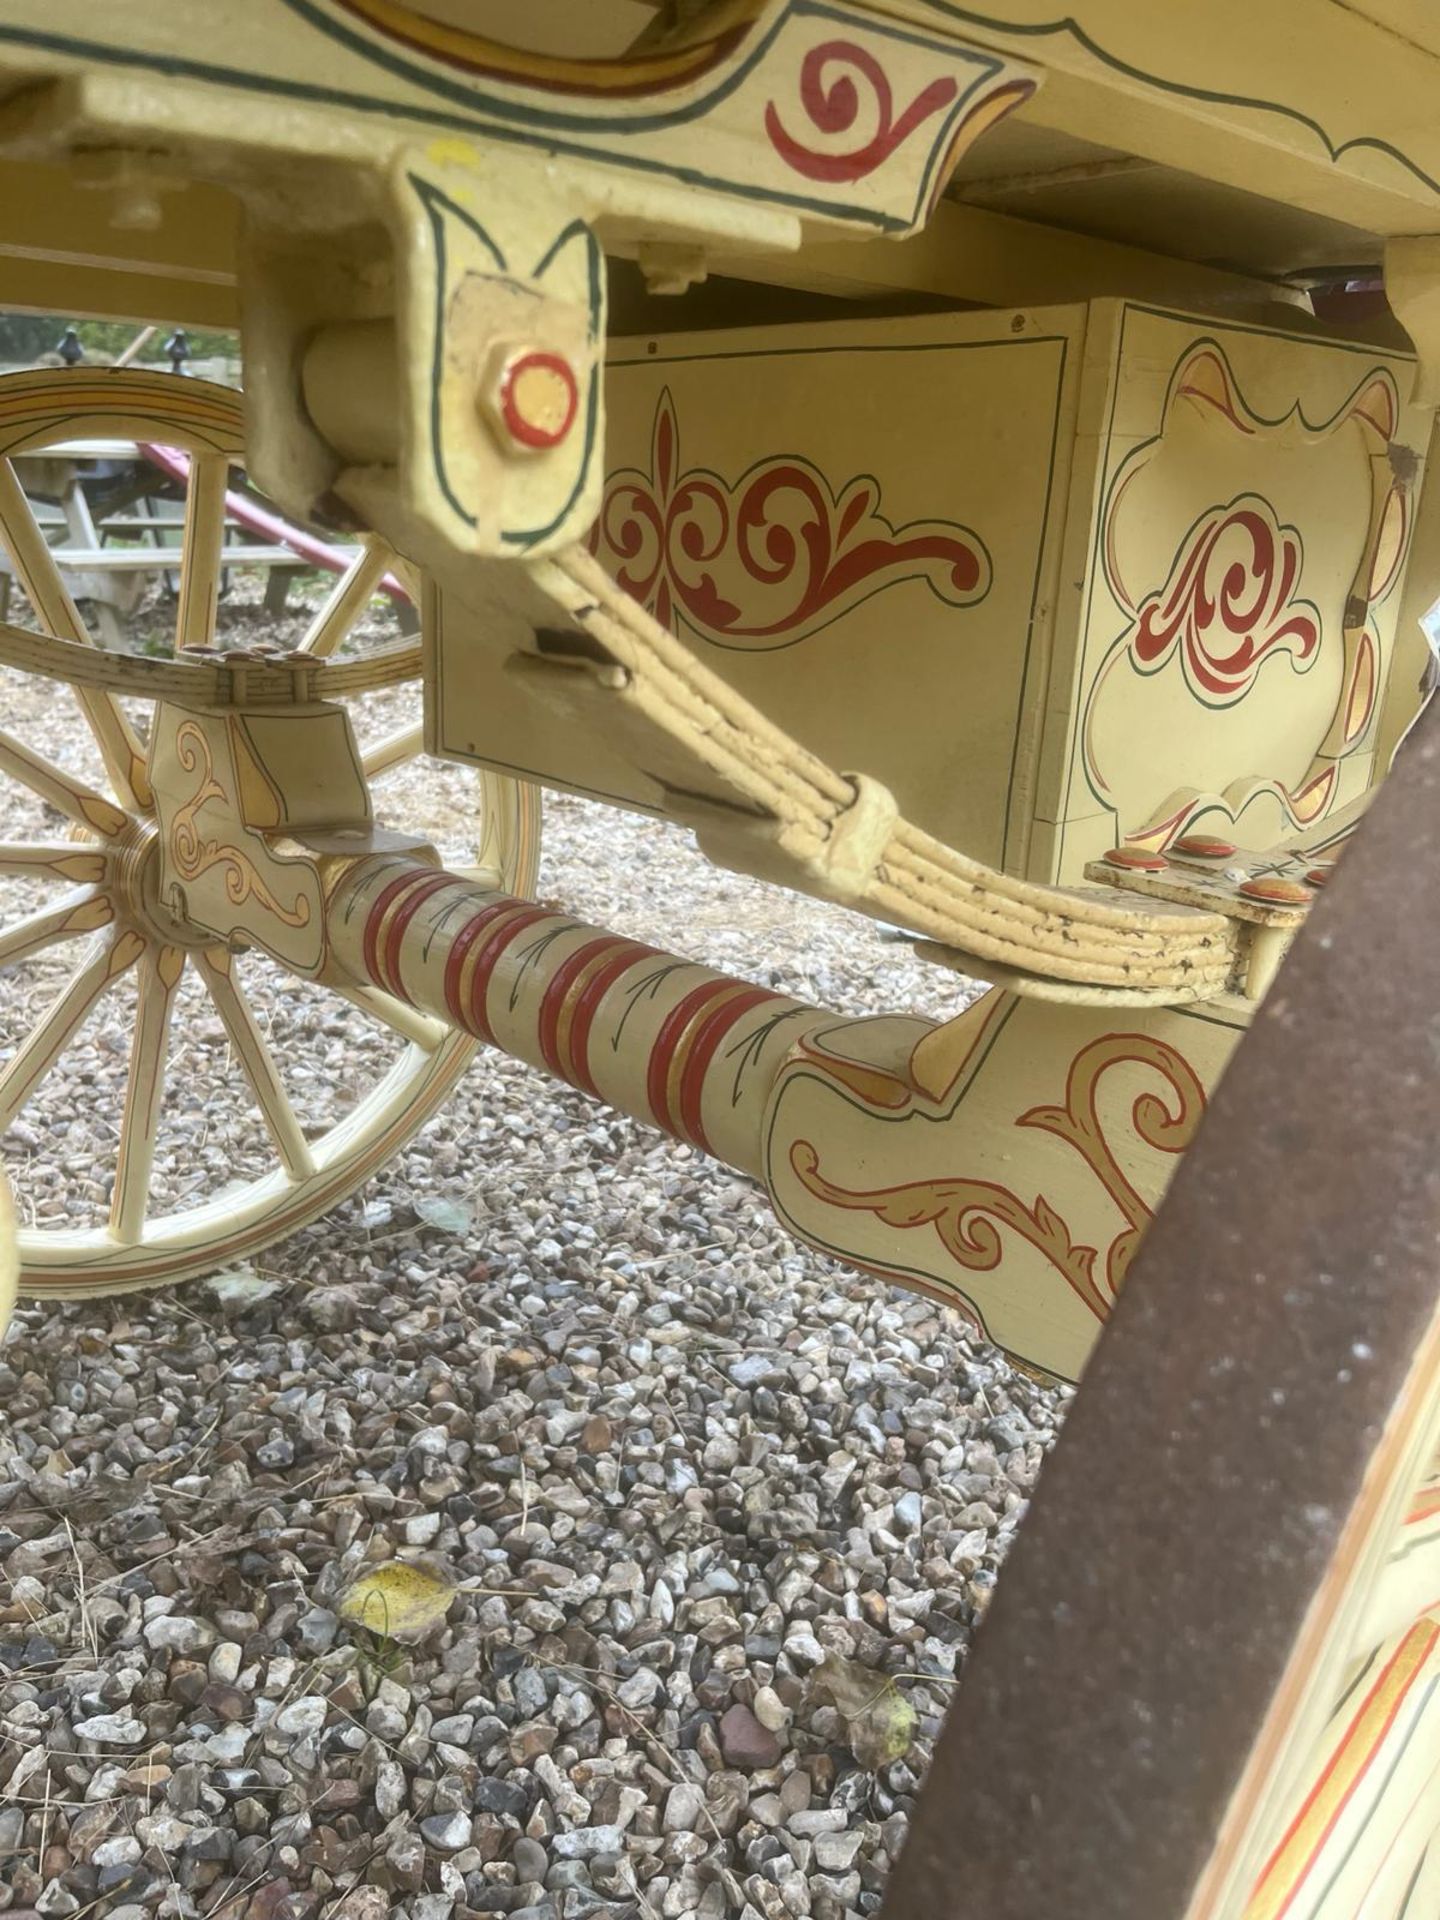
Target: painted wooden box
1061,577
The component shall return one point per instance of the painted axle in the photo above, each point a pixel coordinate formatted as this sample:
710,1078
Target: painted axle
1005,1161
684,1048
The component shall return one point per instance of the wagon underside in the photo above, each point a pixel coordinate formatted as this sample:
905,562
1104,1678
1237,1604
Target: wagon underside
967,465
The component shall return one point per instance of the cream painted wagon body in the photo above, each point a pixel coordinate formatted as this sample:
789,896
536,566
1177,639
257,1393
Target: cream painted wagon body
965,464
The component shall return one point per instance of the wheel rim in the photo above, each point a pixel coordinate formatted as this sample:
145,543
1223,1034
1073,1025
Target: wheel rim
88,899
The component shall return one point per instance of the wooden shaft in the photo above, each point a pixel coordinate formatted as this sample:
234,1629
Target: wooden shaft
678,1045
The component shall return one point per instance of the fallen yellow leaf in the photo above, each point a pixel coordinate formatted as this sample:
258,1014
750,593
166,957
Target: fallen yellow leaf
879,1720
398,1600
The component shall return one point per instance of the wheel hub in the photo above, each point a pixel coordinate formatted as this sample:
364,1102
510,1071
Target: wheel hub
138,897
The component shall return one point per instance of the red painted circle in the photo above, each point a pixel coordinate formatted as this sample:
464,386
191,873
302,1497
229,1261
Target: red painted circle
1203,846
1275,892
1317,876
529,429
1136,859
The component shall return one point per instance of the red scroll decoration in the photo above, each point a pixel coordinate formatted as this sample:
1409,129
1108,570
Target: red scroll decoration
1230,602
831,97
968,1214
769,560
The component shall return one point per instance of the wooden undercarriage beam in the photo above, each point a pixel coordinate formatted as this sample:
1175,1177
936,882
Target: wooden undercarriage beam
968,254
64,250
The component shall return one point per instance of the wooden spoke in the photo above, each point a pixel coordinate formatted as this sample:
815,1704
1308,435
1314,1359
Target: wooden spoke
41,1048
414,1026
348,598
47,593
257,1063
140,1123
203,543
393,751
81,866
82,911
72,797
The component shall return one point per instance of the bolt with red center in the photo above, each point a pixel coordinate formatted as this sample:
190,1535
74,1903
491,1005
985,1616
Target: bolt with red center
528,397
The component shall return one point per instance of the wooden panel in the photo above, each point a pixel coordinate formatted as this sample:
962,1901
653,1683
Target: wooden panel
1007,1163
818,511
1059,578
833,114
1339,105
1244,542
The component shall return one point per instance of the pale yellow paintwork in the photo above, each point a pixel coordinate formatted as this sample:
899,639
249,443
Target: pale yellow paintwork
1001,655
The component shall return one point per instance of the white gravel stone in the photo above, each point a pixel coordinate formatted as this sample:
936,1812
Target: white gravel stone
111,1729
180,1634
162,1830
123,1851
836,1852
815,1820
584,1843
225,1663
390,1788
447,1831
770,1710
304,1716
682,1808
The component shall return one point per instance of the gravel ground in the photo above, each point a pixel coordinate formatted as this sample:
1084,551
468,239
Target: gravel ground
684,1478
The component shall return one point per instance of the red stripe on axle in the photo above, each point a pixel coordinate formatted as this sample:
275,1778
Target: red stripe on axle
491,948
552,1004
713,1029
394,939
460,947
391,891
588,1006
673,1029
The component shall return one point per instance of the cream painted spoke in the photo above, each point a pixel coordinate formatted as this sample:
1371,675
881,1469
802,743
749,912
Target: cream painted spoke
41,1048
47,593
348,598
257,1062
203,544
409,576
79,865
393,750
144,1092
414,1026
70,796
83,911
120,746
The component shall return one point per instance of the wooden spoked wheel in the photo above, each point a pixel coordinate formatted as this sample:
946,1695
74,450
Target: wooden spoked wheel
168,1107
1209,1687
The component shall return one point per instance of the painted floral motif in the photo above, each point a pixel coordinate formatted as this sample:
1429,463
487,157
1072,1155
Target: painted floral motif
838,80
1231,602
771,559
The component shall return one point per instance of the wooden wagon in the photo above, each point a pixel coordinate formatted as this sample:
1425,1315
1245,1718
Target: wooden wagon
968,464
